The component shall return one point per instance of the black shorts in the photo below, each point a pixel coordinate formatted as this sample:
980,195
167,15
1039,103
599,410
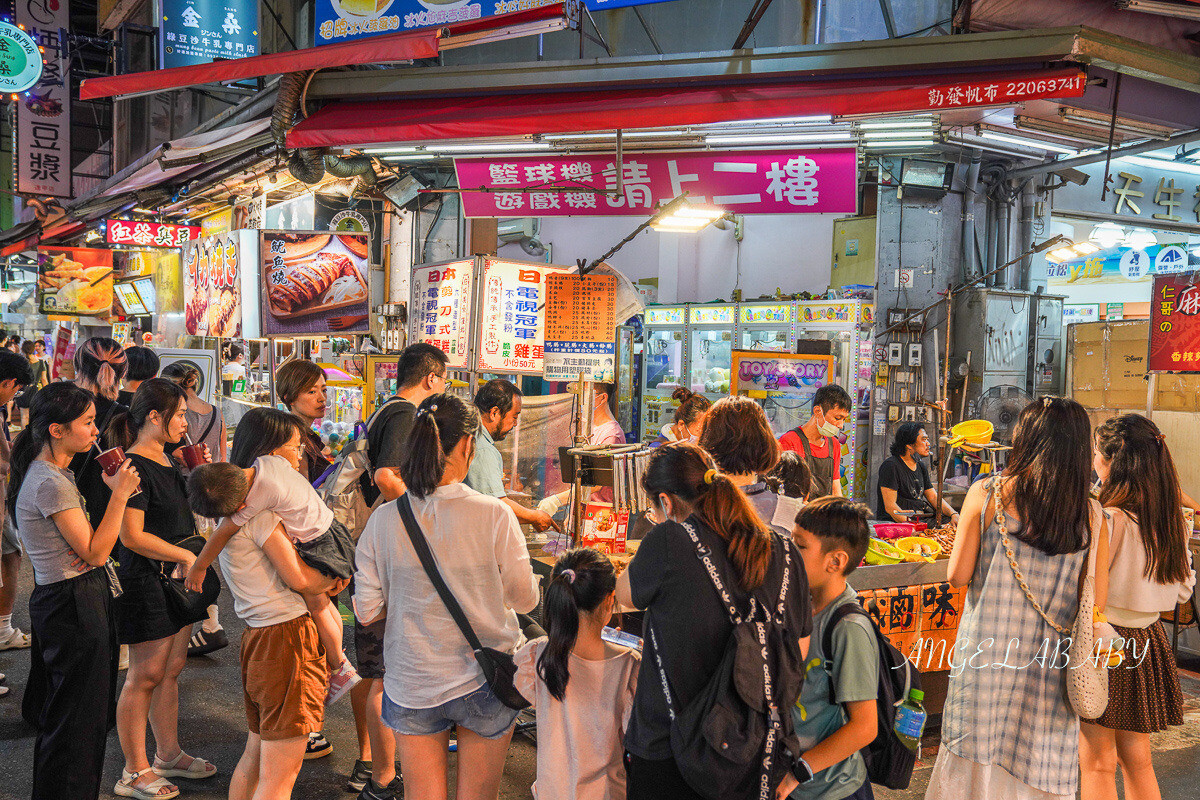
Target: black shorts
331,553
368,646
142,611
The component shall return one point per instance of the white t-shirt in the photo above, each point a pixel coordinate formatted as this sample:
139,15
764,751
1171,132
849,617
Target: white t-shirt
232,371
481,555
580,739
260,596
279,488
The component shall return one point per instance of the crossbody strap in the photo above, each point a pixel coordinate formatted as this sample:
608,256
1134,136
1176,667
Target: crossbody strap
421,545
1089,568
212,420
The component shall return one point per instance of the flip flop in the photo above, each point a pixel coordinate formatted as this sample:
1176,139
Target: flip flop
151,791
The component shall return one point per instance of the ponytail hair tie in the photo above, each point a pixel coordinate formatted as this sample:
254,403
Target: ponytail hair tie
567,575
1046,401
710,476
421,412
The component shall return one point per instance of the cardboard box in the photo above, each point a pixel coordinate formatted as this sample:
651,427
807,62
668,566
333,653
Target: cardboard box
1128,343
605,528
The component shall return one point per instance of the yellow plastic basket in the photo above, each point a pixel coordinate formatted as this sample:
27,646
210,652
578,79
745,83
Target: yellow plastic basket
971,432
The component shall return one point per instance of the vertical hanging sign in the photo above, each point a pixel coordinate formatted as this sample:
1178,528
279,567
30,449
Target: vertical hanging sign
43,131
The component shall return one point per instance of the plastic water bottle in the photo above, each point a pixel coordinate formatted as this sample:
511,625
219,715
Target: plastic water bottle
910,720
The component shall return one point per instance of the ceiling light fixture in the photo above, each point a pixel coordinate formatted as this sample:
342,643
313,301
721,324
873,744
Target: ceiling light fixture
1065,130
882,144
899,123
781,138
1033,144
824,119
1103,121
1176,10
1140,239
688,219
1162,163
1107,234
904,134
496,147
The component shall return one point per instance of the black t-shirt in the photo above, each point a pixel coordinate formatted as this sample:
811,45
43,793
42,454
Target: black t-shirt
387,441
125,398
909,485
163,498
88,476
691,623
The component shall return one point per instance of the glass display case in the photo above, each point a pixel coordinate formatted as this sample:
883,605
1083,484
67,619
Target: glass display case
848,325
765,326
627,384
663,364
710,349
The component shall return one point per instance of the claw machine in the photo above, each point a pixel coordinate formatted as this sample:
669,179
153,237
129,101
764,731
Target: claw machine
663,363
380,378
849,326
709,338
766,326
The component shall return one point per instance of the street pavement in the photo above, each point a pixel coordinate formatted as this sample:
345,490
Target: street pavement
212,725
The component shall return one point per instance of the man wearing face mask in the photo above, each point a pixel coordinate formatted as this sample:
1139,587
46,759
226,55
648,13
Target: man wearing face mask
817,440
499,404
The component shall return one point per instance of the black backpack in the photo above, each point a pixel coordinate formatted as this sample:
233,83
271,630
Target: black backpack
889,762
728,741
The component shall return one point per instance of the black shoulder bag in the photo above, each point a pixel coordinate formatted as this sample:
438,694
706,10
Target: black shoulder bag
500,669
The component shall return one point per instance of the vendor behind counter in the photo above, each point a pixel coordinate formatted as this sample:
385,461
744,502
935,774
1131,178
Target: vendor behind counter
905,486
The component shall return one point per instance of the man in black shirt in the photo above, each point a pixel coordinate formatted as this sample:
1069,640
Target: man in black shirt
904,483
421,373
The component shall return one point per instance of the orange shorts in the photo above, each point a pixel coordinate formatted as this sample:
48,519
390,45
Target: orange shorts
284,679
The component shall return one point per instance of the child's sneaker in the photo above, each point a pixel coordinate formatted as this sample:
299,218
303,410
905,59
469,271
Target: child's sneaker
341,682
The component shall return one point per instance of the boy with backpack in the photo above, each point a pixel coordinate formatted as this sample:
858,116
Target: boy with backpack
836,715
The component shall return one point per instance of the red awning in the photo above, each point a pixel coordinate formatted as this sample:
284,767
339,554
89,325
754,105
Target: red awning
389,47
434,118
383,49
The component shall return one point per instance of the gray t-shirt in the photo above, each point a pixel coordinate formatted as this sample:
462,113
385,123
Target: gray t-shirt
46,490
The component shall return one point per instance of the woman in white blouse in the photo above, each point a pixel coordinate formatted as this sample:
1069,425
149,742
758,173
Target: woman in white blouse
432,680
1149,572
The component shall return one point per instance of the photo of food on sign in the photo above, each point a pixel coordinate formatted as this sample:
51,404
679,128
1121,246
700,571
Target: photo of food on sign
212,286
75,280
315,283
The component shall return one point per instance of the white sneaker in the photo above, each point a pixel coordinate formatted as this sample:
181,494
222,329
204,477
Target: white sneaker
341,682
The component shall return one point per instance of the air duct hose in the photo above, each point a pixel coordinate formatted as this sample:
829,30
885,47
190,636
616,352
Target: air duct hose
310,164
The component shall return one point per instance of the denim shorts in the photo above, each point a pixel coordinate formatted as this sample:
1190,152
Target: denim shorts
479,712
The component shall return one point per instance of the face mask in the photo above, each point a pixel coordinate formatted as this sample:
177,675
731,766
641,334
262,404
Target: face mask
828,429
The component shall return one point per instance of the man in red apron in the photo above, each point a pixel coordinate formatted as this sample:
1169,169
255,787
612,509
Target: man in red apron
817,440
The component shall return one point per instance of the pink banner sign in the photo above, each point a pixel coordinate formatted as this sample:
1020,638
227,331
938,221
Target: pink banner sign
742,182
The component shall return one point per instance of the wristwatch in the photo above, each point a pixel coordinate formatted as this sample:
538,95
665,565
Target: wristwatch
801,770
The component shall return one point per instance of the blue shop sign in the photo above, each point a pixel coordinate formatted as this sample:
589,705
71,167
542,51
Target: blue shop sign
203,31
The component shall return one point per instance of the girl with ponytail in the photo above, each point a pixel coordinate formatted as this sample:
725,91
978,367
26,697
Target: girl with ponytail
690,623
100,366
73,672
581,685
428,666
1149,572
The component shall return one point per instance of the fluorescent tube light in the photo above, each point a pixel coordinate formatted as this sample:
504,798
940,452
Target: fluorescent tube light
1034,144
497,147
781,138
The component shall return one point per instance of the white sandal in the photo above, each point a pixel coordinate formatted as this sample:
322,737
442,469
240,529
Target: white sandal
151,791
197,770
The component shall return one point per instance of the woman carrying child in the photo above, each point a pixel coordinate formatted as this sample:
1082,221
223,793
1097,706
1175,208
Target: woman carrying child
156,523
581,685
1149,571
258,480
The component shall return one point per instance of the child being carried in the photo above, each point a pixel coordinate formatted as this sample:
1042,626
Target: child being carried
236,495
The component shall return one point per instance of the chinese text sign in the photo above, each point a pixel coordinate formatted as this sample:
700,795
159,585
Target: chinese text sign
44,112
441,309
148,234
1175,323
342,20
742,182
513,316
580,327
203,31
